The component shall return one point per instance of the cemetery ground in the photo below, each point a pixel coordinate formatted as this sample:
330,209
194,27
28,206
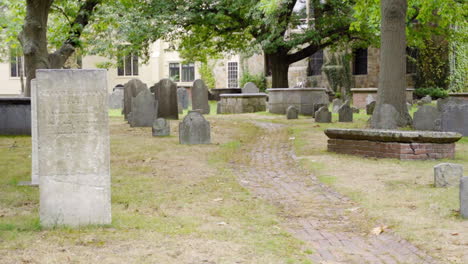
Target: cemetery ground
175,203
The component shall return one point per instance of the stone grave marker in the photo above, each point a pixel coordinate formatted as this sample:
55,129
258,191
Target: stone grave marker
219,109
464,197
73,147
166,94
116,98
426,99
388,119
427,118
336,105
194,129
144,110
161,127
447,174
200,97
323,115
182,97
345,113
454,118
292,112
131,89
317,107
370,108
250,87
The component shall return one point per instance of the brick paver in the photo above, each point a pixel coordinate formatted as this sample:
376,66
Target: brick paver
315,213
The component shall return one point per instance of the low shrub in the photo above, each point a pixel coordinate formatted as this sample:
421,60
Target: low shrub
434,92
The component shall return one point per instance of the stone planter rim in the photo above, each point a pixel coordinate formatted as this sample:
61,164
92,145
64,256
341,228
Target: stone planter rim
401,136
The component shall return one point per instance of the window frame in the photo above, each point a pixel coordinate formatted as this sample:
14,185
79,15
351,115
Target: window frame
186,71
358,57
229,75
314,60
19,70
123,64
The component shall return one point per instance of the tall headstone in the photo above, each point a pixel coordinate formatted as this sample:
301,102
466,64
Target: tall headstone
454,118
182,97
166,94
161,127
292,112
250,87
323,115
73,147
427,118
144,110
116,98
447,174
464,197
200,97
336,105
194,129
131,89
345,113
389,115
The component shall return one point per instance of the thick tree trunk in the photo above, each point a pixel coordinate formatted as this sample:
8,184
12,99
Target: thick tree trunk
391,111
33,39
279,69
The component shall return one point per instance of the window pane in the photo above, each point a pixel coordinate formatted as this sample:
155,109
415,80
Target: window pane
232,75
120,67
174,72
360,62
20,65
128,65
188,72
316,62
13,66
135,65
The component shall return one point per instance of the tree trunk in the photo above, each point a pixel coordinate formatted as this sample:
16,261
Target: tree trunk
33,39
279,69
392,78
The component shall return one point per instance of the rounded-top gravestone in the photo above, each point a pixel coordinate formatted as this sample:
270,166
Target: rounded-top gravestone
166,94
182,97
161,127
144,110
427,118
250,87
292,112
131,89
345,113
194,129
336,105
323,115
200,96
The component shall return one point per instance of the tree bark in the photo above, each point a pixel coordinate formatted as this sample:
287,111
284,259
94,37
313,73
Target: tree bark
279,69
392,76
33,39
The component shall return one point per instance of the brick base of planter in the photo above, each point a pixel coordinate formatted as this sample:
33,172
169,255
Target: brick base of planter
397,150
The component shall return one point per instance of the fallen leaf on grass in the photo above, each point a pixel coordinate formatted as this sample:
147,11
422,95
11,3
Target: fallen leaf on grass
454,234
222,223
379,230
217,200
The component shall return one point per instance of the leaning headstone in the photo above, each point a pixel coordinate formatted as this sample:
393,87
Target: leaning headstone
166,94
345,113
200,97
182,97
464,197
454,118
336,105
144,110
370,108
426,99
250,87
292,112
323,115
447,174
427,118
131,89
161,127
194,129
388,117
73,140
116,98
317,107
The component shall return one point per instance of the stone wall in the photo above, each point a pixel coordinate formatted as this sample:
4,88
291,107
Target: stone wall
242,103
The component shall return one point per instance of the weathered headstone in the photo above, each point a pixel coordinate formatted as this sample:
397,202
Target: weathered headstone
323,115
144,110
317,107
194,129
345,113
116,98
200,96
161,127
447,174
73,152
182,97
180,109
131,89
389,116
464,197
426,99
454,118
166,94
336,105
292,112
370,108
219,109
427,118
250,87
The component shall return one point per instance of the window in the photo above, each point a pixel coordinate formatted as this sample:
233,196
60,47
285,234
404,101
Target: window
411,57
128,65
315,63
16,64
232,75
174,72
360,61
188,72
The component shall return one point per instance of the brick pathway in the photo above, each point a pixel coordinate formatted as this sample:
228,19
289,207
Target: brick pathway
316,214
